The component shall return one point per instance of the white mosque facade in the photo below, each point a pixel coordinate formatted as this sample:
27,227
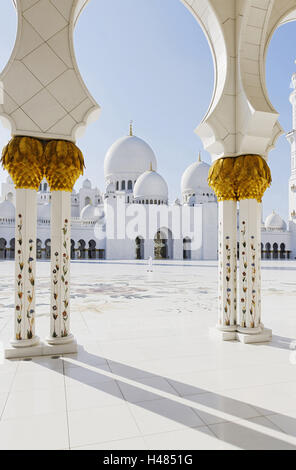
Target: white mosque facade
185,229
134,219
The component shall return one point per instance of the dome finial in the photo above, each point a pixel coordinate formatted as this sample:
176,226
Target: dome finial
151,167
131,128
199,156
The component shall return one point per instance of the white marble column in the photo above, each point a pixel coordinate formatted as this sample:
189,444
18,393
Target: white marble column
250,273
25,268
227,268
60,333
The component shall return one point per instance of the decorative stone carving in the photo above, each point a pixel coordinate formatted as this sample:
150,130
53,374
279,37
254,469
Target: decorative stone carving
44,94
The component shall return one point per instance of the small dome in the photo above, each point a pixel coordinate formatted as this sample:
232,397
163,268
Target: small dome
150,185
91,212
195,178
129,156
43,211
275,222
86,184
7,209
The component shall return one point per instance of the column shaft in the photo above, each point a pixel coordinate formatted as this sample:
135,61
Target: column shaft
227,265
60,268
25,267
250,265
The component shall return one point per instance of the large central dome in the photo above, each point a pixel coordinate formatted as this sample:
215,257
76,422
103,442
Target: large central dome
128,157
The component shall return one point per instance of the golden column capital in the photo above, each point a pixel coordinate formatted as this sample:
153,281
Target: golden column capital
64,164
23,159
237,178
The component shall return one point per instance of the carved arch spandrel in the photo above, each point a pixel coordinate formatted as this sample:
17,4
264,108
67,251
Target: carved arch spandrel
217,130
44,94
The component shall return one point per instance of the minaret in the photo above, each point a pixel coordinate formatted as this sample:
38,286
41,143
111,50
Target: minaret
291,136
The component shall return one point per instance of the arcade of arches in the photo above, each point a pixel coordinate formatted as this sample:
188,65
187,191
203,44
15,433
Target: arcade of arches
79,250
239,129
162,248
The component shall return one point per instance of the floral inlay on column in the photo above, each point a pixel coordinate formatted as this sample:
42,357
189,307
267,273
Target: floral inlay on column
254,283
55,274
228,305
31,291
19,278
227,265
244,280
64,278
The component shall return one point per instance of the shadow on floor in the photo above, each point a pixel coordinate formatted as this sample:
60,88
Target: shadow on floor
196,412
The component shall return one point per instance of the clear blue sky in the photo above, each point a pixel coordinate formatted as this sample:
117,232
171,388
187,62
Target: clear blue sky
149,61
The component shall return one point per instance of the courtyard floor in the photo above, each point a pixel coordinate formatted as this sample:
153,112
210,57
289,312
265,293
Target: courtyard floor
148,374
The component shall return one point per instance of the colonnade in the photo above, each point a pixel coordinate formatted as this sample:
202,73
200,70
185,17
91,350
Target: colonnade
28,160
239,130
240,180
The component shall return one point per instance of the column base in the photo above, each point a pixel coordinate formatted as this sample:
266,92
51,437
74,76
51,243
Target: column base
25,343
223,334
41,349
60,340
264,335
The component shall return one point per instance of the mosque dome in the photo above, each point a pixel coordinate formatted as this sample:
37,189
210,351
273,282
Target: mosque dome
195,178
91,212
43,211
86,184
128,157
7,210
274,222
151,186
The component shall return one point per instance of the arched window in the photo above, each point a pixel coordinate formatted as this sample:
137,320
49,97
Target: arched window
117,185
92,252
47,248
72,249
45,186
187,248
87,201
275,251
12,248
38,249
122,185
81,249
3,244
283,251
130,185
139,248
268,250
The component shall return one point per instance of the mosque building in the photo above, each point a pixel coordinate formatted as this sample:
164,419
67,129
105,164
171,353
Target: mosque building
131,179
131,182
